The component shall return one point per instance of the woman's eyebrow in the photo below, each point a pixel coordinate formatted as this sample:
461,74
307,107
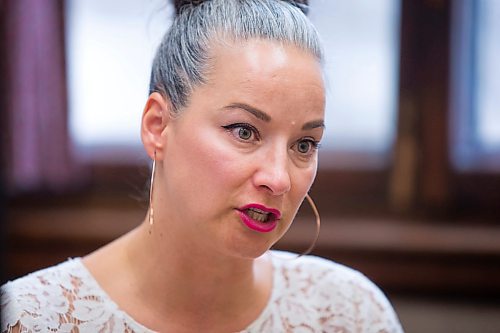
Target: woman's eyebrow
245,107
267,118
313,124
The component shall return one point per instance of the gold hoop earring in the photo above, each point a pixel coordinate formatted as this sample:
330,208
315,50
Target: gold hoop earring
151,187
318,226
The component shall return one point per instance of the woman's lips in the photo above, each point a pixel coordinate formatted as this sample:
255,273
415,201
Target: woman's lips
259,218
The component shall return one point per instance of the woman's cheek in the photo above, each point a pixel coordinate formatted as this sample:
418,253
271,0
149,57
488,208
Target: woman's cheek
216,159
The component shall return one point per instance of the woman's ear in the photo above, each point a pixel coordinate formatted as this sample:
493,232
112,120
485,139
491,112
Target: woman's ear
155,118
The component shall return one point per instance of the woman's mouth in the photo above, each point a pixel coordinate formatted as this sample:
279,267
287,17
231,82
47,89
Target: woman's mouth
258,214
259,218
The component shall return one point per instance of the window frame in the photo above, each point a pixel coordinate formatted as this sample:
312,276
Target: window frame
434,187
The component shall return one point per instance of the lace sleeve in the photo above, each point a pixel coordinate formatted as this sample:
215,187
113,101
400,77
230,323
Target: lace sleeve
62,298
356,303
31,304
374,307
10,312
317,295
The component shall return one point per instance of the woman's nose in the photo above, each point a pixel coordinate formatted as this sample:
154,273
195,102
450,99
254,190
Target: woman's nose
273,172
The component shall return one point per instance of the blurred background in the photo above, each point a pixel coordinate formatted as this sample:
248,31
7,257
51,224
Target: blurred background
409,180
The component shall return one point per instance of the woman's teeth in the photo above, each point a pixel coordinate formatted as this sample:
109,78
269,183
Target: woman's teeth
257,214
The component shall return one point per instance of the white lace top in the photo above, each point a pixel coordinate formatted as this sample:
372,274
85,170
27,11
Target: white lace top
309,294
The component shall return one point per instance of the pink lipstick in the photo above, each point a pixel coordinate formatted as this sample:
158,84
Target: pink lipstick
259,218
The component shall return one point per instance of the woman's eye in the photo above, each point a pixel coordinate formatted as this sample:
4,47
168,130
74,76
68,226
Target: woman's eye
244,132
307,146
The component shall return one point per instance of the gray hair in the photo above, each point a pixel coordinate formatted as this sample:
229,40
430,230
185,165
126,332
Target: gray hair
182,61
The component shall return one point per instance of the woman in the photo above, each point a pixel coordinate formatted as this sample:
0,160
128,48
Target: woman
232,123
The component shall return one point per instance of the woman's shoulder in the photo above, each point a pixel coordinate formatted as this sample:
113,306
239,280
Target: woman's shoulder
341,295
318,269
40,300
43,283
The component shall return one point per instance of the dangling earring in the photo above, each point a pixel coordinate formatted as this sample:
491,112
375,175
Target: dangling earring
151,212
318,225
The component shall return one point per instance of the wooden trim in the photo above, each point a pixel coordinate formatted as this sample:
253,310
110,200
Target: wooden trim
421,176
477,195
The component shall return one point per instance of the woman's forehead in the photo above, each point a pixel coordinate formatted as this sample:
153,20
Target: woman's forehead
268,76
258,60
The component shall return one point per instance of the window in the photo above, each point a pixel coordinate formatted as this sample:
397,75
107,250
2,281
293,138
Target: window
475,85
488,74
110,46
361,42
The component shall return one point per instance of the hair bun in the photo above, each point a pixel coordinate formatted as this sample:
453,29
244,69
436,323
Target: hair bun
180,5
303,5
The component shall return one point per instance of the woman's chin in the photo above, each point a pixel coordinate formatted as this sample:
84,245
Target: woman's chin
248,249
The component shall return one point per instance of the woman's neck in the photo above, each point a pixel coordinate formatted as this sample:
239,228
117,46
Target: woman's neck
169,286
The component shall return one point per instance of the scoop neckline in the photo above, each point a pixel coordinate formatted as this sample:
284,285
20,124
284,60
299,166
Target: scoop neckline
130,321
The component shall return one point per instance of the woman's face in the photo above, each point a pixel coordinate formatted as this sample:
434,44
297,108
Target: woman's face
240,158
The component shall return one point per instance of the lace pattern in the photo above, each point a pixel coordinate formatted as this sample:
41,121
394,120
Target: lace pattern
310,294
63,298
